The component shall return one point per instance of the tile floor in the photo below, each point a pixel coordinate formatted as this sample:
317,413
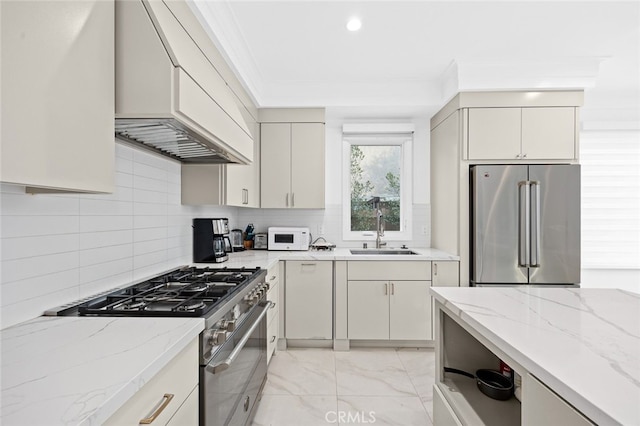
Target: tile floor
308,387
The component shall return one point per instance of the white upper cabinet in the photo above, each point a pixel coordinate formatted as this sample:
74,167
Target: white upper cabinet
535,133
58,95
494,133
549,133
292,160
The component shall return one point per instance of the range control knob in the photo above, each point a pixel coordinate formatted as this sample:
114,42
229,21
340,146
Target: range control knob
231,325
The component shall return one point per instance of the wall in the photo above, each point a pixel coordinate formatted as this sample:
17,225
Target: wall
57,248
328,222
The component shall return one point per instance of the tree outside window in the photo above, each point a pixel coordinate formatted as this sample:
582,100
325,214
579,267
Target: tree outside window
375,172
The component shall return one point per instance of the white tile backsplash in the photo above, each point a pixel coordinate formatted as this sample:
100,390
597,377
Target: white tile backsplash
56,248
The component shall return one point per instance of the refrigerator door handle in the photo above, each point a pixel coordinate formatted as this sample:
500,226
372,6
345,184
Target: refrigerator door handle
524,230
535,224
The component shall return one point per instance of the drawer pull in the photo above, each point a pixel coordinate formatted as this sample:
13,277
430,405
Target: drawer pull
166,399
273,277
273,305
273,339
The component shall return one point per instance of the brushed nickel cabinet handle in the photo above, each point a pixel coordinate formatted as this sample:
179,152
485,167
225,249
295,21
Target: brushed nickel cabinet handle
386,289
393,287
273,339
166,399
435,268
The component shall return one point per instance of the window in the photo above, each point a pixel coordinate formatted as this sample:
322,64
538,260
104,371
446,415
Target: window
610,199
377,166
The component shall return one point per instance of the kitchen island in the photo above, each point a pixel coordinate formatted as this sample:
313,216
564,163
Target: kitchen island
577,350
79,370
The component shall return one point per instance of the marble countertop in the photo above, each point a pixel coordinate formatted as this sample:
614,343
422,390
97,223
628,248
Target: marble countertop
582,343
79,370
265,258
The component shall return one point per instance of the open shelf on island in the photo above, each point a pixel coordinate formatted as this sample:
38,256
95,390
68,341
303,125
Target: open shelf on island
475,408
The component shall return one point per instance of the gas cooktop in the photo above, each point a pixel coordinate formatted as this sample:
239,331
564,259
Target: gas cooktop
184,292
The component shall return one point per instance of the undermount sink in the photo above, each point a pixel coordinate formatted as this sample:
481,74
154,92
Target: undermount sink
383,251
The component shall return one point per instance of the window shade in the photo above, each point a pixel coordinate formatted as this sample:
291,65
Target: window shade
610,199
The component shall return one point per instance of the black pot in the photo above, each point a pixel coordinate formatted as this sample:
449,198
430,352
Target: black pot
490,382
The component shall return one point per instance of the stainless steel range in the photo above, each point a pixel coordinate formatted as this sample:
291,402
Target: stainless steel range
233,363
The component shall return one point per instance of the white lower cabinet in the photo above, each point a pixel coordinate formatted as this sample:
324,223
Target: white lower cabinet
188,413
309,300
543,407
388,300
170,397
443,415
389,310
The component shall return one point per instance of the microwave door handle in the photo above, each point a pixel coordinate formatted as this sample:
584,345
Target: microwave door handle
236,350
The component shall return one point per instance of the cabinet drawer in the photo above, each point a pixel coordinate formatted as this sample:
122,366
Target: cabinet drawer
274,296
389,270
541,406
187,414
443,415
272,339
178,378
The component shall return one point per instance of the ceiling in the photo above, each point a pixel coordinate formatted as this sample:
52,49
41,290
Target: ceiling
412,55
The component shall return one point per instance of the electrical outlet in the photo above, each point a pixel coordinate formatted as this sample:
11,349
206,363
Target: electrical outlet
320,229
424,230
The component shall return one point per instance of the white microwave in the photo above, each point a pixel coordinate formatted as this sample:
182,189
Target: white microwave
289,238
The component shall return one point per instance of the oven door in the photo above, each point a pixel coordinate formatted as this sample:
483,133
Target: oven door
231,382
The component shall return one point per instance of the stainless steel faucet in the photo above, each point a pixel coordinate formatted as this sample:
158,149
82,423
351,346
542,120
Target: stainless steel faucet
375,201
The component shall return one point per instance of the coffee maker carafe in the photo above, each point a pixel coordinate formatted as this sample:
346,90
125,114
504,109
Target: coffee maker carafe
210,240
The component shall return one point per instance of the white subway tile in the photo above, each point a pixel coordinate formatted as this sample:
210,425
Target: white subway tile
151,172
99,271
151,159
95,207
31,308
105,254
124,151
145,196
107,283
22,247
149,234
140,182
124,166
19,291
151,258
30,267
124,180
140,222
38,205
91,240
27,226
150,209
150,247
105,223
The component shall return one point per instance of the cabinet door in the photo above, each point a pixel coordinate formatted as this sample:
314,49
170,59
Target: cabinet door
275,162
445,273
307,165
409,310
494,133
549,133
187,414
58,97
309,300
368,310
541,406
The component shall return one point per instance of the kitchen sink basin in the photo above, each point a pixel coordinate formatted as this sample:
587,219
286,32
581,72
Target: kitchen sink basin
383,251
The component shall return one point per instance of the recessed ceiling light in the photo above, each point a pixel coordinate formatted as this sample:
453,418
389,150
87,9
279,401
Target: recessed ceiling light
354,24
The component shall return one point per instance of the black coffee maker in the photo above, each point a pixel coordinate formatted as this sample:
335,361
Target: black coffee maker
211,240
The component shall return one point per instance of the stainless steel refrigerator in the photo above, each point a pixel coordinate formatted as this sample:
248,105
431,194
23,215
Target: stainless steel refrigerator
525,225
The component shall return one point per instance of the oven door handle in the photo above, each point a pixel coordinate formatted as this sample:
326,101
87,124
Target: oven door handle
227,362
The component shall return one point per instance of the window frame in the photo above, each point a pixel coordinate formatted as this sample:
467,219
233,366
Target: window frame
405,141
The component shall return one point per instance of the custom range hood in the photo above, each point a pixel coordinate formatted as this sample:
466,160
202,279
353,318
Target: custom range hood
169,96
